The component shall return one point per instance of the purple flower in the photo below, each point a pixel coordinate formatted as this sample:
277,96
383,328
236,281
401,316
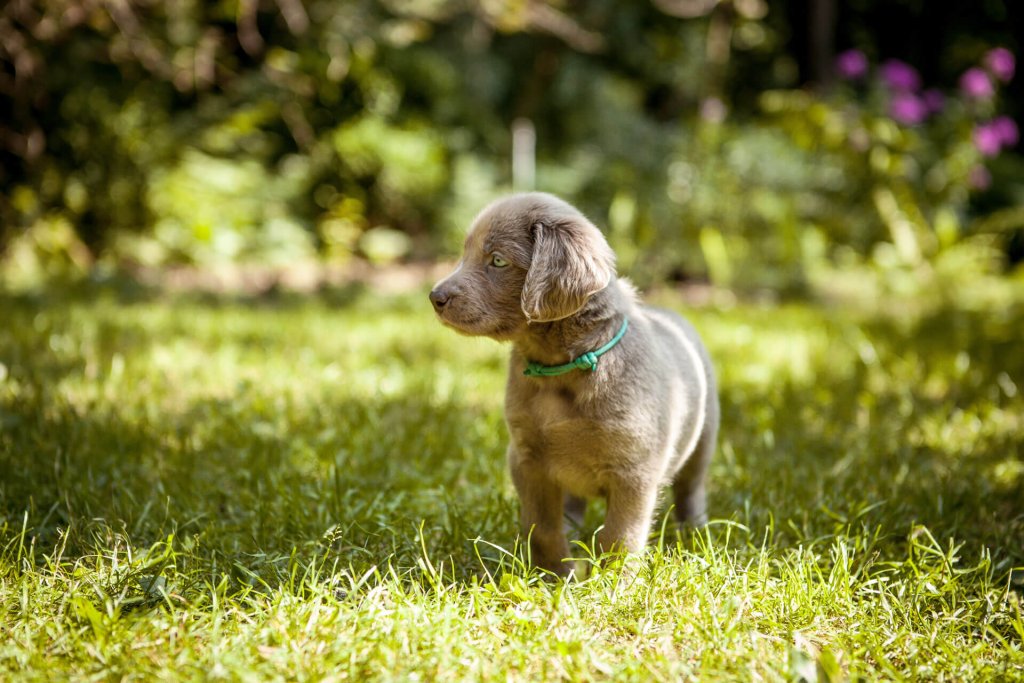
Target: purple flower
852,64
908,108
1001,63
900,76
976,85
934,100
1006,130
979,178
987,139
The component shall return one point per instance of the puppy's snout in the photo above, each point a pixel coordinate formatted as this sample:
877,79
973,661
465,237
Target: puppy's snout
439,296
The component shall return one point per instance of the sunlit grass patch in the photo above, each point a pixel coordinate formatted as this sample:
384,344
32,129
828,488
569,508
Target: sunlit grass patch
308,488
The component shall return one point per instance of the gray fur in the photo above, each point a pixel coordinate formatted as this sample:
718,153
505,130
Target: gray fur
647,417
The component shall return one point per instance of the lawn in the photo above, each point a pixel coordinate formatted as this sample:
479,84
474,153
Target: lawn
314,488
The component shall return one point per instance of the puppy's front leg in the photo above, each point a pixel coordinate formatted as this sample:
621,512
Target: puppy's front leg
628,521
540,515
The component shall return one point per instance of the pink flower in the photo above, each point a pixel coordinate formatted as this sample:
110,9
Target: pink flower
852,64
907,108
987,140
1001,63
990,138
900,76
976,85
1006,130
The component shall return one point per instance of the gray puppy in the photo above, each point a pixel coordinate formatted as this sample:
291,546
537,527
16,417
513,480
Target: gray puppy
606,397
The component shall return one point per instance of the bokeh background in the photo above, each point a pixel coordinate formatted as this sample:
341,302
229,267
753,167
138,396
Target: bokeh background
787,147
235,442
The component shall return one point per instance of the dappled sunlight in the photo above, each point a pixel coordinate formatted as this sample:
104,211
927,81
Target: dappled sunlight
233,417
173,454
267,407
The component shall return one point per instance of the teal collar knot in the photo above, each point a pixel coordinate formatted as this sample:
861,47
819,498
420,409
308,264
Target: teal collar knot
588,361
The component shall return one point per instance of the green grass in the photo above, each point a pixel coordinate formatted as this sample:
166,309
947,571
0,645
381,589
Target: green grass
315,489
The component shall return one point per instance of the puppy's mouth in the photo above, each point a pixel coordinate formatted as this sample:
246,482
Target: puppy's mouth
461,326
456,325
475,328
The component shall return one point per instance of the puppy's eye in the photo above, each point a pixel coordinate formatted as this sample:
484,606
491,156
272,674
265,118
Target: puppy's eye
498,261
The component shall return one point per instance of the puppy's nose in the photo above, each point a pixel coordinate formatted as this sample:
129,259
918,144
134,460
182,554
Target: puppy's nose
439,297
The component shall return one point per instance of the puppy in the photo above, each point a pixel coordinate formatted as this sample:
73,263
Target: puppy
605,398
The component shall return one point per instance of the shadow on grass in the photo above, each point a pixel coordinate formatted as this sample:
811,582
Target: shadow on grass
352,481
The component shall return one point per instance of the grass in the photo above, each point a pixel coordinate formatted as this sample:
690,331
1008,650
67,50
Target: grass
296,489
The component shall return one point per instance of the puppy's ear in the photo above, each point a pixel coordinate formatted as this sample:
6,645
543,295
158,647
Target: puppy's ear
571,262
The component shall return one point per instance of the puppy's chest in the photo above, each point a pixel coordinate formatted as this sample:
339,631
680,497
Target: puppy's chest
576,441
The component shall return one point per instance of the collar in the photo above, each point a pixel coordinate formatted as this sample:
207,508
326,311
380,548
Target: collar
588,361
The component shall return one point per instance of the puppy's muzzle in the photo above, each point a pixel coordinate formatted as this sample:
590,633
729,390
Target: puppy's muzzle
440,296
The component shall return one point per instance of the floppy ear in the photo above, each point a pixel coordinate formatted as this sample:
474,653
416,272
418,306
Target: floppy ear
571,262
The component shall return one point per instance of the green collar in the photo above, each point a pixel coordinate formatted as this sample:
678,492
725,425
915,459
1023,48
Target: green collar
587,361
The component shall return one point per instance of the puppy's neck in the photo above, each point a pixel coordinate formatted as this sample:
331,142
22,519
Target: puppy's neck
560,341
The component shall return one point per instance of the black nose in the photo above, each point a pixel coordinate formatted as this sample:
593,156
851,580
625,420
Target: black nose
439,297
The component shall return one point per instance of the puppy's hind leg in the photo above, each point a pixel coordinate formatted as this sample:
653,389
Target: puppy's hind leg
688,484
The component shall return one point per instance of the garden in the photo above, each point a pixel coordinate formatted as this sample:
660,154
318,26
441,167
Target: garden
236,443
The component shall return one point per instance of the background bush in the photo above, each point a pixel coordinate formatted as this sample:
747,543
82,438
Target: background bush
715,139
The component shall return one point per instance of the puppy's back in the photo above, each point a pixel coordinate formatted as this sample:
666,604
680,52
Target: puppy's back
677,336
691,399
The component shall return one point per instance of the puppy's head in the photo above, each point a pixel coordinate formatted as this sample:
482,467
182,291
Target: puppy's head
528,258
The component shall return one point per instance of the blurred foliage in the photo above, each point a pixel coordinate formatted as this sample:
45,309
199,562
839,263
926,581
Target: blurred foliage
144,132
